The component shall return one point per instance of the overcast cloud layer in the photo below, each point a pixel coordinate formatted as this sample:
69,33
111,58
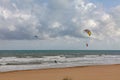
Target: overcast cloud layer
57,19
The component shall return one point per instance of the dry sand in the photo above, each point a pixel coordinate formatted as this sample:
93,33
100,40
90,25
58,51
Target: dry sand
106,72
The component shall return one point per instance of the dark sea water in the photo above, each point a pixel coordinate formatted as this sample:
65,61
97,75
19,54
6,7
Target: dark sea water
11,60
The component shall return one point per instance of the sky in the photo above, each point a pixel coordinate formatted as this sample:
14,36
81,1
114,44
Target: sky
59,24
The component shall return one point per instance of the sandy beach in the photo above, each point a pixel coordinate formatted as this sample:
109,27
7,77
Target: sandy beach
106,72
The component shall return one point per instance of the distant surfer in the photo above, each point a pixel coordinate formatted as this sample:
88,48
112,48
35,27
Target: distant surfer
86,44
55,61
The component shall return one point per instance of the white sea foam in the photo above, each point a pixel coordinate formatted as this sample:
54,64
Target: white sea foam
14,63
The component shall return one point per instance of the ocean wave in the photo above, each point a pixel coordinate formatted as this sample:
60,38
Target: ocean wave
16,63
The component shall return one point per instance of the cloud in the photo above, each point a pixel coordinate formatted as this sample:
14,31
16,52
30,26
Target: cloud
56,19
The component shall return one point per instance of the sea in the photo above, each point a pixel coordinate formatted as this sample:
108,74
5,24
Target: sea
13,60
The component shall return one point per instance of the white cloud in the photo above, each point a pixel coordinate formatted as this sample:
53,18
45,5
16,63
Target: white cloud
106,17
91,23
55,19
56,25
12,28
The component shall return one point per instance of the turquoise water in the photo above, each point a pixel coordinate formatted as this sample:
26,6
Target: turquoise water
40,53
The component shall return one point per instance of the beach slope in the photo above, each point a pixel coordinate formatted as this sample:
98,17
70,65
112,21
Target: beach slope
106,72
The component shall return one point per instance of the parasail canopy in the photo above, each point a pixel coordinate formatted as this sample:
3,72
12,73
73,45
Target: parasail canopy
88,32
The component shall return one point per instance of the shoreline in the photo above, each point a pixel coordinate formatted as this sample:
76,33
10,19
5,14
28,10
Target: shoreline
97,72
60,68
100,65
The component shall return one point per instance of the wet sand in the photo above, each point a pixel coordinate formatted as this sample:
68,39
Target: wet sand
105,72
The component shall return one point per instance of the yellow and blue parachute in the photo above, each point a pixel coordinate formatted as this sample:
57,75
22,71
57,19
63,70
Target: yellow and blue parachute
88,32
